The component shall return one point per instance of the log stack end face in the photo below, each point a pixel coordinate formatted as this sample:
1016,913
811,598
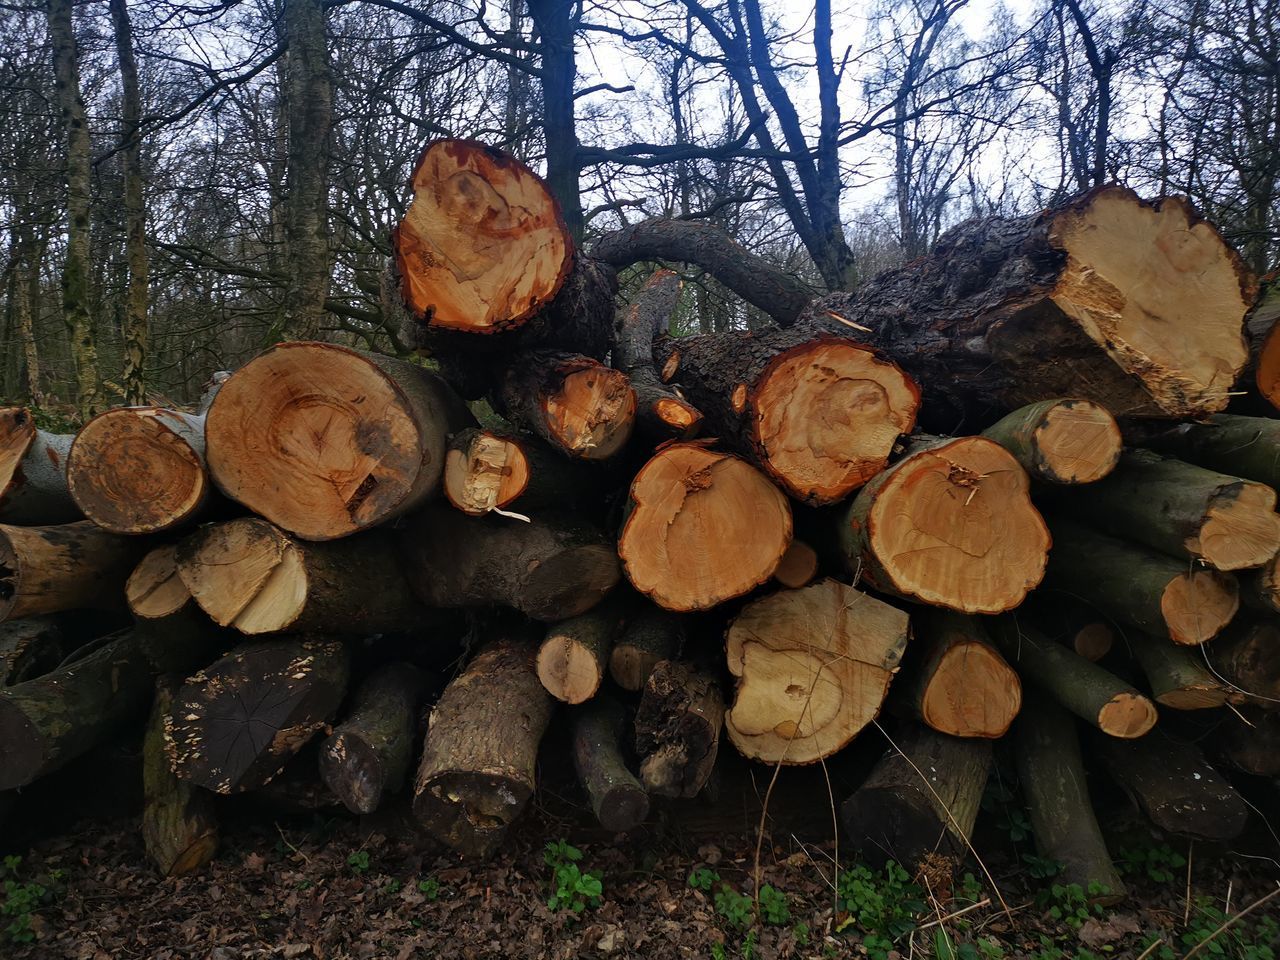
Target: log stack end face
17,431
1077,442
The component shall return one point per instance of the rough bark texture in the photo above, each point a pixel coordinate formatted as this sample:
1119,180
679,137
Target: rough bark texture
1247,656
31,648
236,723
74,565
33,472
179,826
478,768
1250,741
550,570
1080,300
1061,441
678,729
921,799
1055,789
649,637
369,753
617,799
574,656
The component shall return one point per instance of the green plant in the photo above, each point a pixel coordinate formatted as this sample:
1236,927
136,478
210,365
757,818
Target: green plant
392,888
359,862
969,889
570,887
1252,938
749,946
884,907
1010,817
23,899
429,888
1157,863
736,909
801,932
717,951
1041,868
1071,904
703,879
774,909
946,948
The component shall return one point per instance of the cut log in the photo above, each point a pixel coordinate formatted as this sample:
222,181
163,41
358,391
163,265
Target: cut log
236,723
661,412
550,570
1183,510
961,686
1264,316
1249,740
486,472
253,576
649,637
369,753
155,590
140,469
1090,299
1136,586
617,798
819,414
1095,695
1247,656
576,404
324,441
31,648
482,247
813,668
950,525
1246,447
67,567
1055,788
179,825
678,729
1061,441
1174,787
1070,622
478,769
703,527
33,472
798,567
921,799
1177,675
574,656
48,721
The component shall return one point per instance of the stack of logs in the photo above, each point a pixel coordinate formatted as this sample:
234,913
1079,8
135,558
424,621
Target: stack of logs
993,490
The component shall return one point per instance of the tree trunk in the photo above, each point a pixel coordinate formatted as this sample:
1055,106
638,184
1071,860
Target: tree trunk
1174,787
819,414
1089,299
369,753
50,569
649,637
324,441
555,22
702,527
33,472
135,213
25,273
155,590
179,825
617,798
1061,441
1177,675
550,570
252,576
960,685
487,472
1184,511
920,801
1134,586
678,729
574,657
1238,446
140,469
76,269
950,525
661,412
813,667
478,769
1086,689
236,723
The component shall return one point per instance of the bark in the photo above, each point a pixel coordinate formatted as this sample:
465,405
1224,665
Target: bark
478,769
1071,623
618,800
1238,446
1247,656
949,525
33,472
252,576
1054,787
702,527
369,753
1260,588
1060,441
179,825
31,648
1088,299
1135,586
1174,787
325,441
487,472
1250,741
1093,694
678,729
67,567
813,667
920,801
549,570
25,273
818,413
649,637
574,657
555,23
1178,676
140,469
236,723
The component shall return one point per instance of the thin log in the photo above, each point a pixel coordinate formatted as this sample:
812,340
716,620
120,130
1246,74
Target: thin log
1249,740
1178,676
678,729
574,657
1061,441
155,590
618,800
649,637
179,825
369,753
486,472
1071,623
67,567
798,567
478,769
1246,447
1247,656
33,472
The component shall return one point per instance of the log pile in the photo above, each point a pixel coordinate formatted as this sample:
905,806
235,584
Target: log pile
1090,550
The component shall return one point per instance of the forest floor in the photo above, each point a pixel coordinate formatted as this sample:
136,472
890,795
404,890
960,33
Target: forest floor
328,887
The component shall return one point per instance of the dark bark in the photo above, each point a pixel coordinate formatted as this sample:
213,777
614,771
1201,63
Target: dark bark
179,825
678,729
618,800
652,635
74,565
31,648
